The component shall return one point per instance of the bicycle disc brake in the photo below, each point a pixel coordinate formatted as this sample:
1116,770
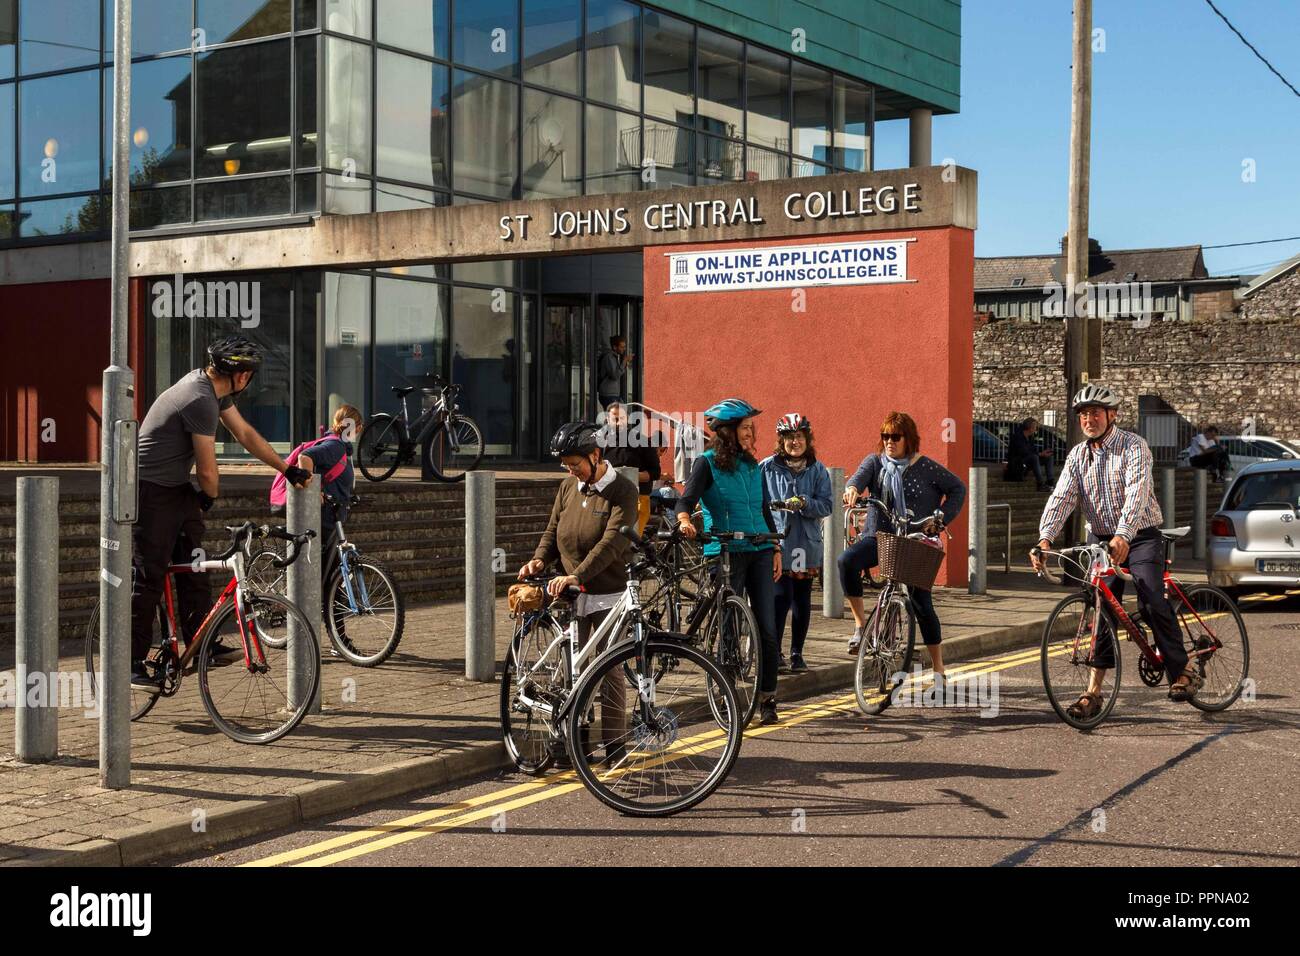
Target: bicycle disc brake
658,736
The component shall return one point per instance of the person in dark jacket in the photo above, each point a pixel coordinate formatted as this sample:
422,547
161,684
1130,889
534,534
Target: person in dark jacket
1023,454
628,446
611,369
904,479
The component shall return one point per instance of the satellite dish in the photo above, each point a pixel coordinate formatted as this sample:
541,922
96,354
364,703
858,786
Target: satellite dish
551,132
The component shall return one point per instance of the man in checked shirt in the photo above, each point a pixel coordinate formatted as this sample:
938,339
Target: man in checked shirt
1110,474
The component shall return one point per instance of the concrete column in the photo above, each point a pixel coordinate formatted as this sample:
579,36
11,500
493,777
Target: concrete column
977,570
480,579
1168,496
36,582
1200,486
832,548
918,136
302,513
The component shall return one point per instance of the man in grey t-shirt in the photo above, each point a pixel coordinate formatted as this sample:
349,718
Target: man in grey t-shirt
179,433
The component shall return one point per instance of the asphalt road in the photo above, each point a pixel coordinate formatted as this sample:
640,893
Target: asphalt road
1158,784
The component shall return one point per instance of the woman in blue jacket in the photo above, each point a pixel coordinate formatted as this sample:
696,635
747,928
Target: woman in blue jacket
726,482
794,477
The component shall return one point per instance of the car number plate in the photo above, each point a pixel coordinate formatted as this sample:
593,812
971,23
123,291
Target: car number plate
1267,567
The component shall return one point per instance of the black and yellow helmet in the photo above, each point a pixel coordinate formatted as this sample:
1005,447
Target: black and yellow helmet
234,354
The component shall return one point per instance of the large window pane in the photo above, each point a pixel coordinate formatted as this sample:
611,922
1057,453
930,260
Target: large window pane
852,125
493,272
160,121
59,134
308,136
613,151
390,196
223,20
348,16
487,36
410,336
8,37
669,79
57,35
552,145
483,363
806,167
812,112
613,67
347,106
720,160
551,31
157,26
61,217
8,221
417,25
768,99
411,120
486,117
243,109
346,330
719,61
348,195
8,181
158,207
243,198
672,150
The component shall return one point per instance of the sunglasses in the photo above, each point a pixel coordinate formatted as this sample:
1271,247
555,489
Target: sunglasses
890,436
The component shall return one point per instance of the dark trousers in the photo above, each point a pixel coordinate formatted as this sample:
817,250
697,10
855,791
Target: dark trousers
864,554
613,689
1042,468
1146,562
751,575
1217,460
793,595
169,529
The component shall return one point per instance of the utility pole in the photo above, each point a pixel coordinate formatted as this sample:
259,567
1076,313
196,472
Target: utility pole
117,446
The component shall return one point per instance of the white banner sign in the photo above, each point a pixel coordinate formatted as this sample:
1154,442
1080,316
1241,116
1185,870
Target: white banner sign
776,267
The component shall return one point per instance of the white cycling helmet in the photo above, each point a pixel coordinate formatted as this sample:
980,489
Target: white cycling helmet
1094,393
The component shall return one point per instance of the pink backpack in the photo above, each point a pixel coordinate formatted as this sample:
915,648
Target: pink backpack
280,487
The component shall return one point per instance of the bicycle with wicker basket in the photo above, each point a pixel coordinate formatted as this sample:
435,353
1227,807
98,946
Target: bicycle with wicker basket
909,558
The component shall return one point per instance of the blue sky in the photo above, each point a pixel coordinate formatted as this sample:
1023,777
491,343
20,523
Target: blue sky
1178,104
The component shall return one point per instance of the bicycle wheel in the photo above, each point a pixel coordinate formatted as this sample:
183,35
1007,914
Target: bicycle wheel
531,736
379,447
142,701
732,639
365,613
455,448
251,704
663,750
885,652
1073,638
1215,637
264,577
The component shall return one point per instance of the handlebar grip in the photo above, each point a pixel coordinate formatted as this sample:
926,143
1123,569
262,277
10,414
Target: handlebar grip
237,535
630,533
295,544
1045,571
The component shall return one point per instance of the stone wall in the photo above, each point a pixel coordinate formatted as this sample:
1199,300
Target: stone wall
1281,297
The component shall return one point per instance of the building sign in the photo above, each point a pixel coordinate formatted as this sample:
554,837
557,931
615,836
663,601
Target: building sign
775,267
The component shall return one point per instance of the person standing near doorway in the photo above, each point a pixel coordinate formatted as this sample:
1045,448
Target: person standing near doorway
628,446
611,369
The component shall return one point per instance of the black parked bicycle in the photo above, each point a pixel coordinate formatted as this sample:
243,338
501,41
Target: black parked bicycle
453,443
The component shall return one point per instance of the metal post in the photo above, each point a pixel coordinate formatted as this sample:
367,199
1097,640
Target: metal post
832,548
480,578
117,489
36,583
1200,490
1168,496
977,568
302,513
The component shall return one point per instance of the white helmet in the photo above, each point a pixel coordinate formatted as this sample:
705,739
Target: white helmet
1094,393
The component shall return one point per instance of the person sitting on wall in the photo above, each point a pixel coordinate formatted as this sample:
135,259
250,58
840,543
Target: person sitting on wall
1206,452
628,446
1024,456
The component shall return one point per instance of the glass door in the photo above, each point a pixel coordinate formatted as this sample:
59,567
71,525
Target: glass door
567,363
621,316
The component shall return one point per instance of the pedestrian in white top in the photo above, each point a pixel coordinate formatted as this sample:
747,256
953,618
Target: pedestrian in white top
1206,452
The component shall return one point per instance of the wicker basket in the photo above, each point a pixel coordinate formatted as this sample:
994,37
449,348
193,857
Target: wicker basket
908,561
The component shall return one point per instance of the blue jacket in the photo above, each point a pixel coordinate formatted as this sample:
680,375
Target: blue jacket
803,528
734,502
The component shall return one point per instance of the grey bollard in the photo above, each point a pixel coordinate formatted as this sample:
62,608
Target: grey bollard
1168,496
1200,491
36,582
302,513
832,548
977,563
480,578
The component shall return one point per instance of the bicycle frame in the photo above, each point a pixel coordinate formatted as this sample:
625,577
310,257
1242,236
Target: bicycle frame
348,551
233,591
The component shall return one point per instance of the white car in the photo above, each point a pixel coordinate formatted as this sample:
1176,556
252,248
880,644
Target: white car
1245,450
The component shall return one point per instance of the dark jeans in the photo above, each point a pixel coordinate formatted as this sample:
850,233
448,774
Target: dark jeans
751,575
793,594
1146,562
1217,460
864,554
169,529
1043,469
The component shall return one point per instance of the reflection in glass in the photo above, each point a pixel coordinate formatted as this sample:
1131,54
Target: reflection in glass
719,61
486,117
806,167
228,20
157,26
347,106
347,195
305,90
160,122
552,139
410,337
243,198
493,272
8,221
305,187
487,36
720,160
768,120
346,346
306,14
812,112
8,36
551,30
484,362
389,196
157,207
613,67
669,80
60,217
8,182
613,151
672,150
59,134
243,110
852,125
57,35
762,164
411,120
416,25
351,17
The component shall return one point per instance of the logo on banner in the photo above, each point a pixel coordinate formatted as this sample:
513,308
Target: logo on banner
776,267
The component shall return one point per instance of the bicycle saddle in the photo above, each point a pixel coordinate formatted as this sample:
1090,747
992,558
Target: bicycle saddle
1173,534
400,390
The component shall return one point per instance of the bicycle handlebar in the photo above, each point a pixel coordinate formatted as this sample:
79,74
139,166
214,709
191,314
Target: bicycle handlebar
296,541
906,521
1093,550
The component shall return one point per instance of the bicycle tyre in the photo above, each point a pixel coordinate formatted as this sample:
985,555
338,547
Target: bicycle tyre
746,670
540,758
1057,693
869,682
295,715
376,456
142,701
337,614
585,696
1201,700
463,465
264,577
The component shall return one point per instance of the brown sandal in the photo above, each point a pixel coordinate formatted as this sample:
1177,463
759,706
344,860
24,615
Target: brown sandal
1086,707
1184,688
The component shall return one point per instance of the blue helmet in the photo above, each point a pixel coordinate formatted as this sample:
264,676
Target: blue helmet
731,411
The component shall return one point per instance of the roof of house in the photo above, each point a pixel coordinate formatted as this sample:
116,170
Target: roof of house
1169,264
1259,281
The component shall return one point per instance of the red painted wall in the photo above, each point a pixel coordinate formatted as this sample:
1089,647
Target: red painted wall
855,354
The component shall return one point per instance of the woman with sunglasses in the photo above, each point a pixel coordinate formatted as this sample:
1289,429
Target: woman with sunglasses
903,479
